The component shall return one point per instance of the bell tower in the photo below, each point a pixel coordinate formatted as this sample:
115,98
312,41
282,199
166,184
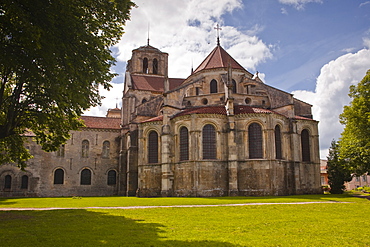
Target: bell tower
148,60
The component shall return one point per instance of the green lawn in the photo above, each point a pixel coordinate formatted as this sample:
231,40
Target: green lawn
329,224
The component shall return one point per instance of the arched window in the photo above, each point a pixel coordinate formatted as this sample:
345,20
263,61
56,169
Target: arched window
209,142
184,144
112,175
153,147
234,86
145,65
106,149
85,177
8,182
278,153
59,176
305,145
255,141
24,182
155,66
143,101
213,86
85,149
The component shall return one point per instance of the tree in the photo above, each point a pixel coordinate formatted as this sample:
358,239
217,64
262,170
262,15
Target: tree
337,172
53,56
355,138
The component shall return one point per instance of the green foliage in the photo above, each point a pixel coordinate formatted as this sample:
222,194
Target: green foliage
364,189
337,171
355,139
53,56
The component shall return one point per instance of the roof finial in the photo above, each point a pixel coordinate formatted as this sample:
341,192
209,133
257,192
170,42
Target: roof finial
218,33
148,32
116,102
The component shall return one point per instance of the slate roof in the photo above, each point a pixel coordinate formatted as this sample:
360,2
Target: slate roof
153,83
101,122
218,58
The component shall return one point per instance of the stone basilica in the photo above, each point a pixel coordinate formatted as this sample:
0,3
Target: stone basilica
219,132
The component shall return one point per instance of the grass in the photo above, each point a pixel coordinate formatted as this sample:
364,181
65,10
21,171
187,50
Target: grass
332,224
80,202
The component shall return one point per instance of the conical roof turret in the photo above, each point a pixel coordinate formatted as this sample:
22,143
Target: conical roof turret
218,58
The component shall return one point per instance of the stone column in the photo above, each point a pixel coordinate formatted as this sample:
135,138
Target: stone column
167,174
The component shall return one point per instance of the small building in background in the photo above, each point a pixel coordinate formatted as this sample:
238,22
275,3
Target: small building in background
324,173
358,181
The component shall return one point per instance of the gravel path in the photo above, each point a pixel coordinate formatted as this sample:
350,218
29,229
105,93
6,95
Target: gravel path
173,206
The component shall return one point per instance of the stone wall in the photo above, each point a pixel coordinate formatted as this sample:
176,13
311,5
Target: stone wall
41,169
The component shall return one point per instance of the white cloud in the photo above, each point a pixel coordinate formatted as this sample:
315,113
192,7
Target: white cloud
331,93
284,11
185,30
364,3
299,4
111,99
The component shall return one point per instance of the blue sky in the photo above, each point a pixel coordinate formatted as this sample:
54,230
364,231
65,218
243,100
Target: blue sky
306,38
314,49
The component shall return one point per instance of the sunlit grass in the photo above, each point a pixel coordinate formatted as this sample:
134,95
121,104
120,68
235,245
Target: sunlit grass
73,202
326,224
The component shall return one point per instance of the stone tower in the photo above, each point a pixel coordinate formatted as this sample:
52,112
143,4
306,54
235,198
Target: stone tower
147,64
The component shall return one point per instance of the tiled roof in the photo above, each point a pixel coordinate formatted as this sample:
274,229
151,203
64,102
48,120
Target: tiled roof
238,109
147,48
203,110
302,118
158,118
218,58
153,83
101,122
244,109
221,110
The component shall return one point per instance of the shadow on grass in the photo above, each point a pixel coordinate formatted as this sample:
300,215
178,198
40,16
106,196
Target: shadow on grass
83,228
5,202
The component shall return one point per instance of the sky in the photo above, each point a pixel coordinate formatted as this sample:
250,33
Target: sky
314,49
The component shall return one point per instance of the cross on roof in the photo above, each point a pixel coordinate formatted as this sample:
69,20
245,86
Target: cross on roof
218,33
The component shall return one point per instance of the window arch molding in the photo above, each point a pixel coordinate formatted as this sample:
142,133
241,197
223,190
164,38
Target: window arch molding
154,127
210,121
259,121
